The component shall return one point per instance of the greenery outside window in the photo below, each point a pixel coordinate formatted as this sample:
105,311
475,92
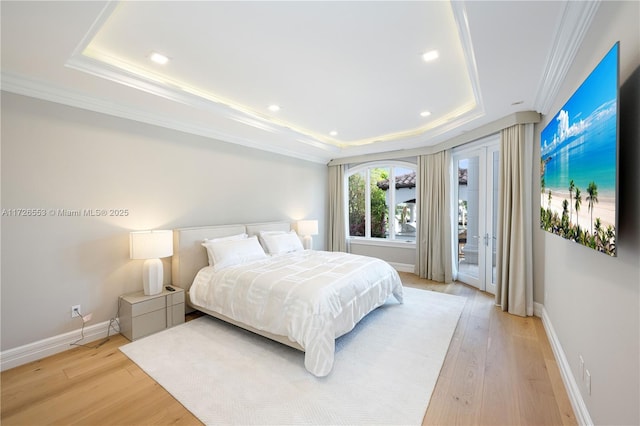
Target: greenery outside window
378,209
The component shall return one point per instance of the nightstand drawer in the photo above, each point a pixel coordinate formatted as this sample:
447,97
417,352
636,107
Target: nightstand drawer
148,306
175,298
175,314
149,323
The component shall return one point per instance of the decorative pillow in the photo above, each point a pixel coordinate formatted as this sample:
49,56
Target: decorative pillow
263,233
279,243
231,237
227,253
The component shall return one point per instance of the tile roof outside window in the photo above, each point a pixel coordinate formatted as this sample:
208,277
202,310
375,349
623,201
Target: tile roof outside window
409,180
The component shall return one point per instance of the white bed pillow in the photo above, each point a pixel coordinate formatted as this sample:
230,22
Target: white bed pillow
229,238
232,252
281,242
261,235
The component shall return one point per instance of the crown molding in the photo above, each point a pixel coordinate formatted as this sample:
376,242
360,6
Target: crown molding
571,30
36,89
522,117
462,21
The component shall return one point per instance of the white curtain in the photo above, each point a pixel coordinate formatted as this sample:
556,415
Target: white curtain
514,292
433,247
336,236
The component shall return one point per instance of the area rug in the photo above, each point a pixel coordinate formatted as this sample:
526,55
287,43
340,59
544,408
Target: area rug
384,372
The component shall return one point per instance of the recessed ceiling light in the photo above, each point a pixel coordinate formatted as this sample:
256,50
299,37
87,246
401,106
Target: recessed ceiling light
333,133
425,113
274,108
430,55
158,58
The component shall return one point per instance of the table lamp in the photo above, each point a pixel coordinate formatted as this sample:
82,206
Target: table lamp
151,246
307,228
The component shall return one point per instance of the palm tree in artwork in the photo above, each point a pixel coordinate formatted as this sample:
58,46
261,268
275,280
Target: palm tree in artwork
565,217
592,199
572,187
578,202
599,232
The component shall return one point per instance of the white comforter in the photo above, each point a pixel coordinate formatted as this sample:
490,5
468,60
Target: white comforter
312,297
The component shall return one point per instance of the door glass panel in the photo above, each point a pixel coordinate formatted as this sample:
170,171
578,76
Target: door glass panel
494,217
477,215
468,220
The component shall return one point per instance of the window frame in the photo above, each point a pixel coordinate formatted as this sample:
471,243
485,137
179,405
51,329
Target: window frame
367,239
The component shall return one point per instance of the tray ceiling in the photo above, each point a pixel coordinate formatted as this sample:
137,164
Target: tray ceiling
348,78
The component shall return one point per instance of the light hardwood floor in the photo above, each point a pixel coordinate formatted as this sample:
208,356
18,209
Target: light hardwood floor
499,371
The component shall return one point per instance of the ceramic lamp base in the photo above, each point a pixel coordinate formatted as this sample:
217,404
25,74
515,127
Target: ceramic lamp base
152,278
307,242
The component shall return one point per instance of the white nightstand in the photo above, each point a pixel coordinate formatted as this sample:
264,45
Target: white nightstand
142,315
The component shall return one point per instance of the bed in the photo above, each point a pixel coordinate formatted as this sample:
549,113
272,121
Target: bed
301,298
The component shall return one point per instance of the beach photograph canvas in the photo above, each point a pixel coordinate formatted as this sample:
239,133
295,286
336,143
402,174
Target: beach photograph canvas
578,161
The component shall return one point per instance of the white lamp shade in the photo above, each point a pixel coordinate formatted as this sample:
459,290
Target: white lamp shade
307,227
150,244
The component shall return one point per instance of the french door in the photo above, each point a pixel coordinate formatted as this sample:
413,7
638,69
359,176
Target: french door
477,195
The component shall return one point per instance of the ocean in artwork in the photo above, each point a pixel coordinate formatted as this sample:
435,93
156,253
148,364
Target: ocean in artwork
586,157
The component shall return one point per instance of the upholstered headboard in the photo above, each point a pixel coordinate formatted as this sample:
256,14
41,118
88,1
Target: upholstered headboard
256,228
189,256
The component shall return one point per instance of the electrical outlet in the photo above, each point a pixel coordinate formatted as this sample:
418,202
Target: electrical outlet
588,381
75,311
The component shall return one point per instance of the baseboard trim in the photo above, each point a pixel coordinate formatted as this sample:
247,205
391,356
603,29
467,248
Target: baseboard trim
537,309
42,348
402,267
577,402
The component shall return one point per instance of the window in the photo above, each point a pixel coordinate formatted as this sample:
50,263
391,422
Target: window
378,209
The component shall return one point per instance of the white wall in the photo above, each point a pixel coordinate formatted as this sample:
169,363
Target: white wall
592,300
58,157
